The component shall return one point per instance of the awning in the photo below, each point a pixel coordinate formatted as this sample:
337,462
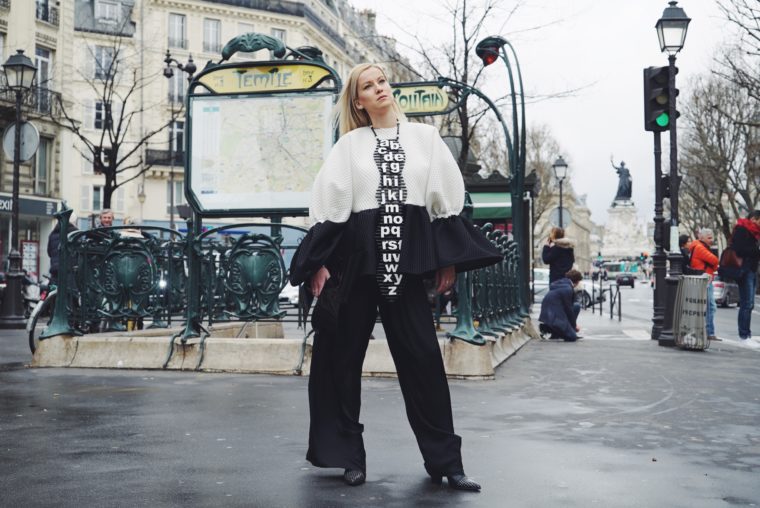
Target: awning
491,205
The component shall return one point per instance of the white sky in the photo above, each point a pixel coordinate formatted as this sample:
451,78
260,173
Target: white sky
600,46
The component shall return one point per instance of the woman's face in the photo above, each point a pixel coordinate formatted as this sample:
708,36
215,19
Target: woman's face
373,92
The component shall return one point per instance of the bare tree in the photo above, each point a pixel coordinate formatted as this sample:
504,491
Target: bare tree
457,60
116,150
720,154
739,64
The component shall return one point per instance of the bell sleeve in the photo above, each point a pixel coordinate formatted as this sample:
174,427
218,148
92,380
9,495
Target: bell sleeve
329,211
456,240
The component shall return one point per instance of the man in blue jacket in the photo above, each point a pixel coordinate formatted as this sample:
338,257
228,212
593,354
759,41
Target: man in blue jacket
558,312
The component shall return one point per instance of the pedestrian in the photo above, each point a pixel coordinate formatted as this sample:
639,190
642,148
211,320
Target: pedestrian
385,209
559,312
106,218
744,241
54,246
558,254
684,241
702,260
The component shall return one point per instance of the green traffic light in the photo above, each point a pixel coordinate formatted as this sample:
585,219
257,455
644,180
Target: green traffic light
662,120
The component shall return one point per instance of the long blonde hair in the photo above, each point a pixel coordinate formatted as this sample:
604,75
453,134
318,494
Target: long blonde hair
348,116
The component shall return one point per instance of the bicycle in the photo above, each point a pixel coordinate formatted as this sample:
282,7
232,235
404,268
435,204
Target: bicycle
42,311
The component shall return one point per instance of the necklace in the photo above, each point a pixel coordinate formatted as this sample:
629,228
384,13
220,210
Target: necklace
372,128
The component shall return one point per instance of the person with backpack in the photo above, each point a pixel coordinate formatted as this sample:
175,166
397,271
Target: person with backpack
744,242
702,260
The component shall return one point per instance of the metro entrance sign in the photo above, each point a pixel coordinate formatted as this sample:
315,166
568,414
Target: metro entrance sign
425,98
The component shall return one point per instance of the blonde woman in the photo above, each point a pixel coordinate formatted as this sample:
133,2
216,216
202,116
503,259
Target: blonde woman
385,210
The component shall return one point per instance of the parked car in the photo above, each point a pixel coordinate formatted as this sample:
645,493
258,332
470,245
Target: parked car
726,292
540,283
289,294
587,291
625,279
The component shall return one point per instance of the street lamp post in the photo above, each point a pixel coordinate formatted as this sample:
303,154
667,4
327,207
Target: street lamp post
671,32
489,50
19,74
190,69
560,173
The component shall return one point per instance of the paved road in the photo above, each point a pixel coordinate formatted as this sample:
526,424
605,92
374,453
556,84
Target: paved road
612,421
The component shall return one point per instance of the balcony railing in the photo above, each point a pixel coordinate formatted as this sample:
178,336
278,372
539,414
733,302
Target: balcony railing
39,100
212,47
5,4
164,158
177,43
47,14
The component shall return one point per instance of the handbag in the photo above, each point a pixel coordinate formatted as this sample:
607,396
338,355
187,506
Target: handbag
730,265
729,259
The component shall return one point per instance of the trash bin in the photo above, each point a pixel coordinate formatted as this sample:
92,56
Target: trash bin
689,314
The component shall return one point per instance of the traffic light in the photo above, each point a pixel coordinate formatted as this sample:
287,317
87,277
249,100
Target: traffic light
657,99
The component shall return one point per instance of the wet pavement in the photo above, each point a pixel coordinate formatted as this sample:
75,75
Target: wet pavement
613,421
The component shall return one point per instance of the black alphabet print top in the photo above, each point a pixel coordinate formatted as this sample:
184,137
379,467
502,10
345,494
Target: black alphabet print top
389,201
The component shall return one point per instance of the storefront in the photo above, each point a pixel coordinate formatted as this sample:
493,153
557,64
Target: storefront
35,222
493,207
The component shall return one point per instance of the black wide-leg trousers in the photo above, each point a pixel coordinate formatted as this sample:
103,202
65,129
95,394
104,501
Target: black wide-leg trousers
335,433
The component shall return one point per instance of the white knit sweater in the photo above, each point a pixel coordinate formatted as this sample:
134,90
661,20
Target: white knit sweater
349,177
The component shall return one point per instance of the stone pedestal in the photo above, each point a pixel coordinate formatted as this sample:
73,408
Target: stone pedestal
623,234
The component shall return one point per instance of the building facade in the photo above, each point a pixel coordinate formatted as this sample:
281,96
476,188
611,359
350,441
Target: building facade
101,95
39,28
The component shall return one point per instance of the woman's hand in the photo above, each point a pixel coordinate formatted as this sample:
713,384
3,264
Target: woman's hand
444,279
318,281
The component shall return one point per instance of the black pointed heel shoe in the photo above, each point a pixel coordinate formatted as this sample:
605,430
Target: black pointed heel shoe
457,482
354,477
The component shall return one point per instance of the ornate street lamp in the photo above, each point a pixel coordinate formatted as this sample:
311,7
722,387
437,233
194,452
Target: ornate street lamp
489,50
190,69
560,173
671,32
19,74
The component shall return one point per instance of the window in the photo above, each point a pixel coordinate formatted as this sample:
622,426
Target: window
107,10
2,59
104,65
179,195
177,86
43,9
212,35
177,31
102,117
277,33
177,137
41,167
97,198
43,60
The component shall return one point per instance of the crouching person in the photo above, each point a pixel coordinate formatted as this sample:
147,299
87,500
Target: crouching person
559,313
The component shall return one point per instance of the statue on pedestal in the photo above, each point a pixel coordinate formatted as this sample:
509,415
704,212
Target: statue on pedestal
624,182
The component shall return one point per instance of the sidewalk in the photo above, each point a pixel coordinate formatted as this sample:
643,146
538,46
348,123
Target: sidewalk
613,420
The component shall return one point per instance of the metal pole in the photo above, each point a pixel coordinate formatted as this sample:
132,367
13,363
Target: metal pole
560,203
667,337
658,257
171,168
12,312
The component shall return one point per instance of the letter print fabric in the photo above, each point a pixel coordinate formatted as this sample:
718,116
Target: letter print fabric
391,197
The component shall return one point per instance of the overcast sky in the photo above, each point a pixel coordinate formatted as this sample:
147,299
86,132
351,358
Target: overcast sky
599,46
